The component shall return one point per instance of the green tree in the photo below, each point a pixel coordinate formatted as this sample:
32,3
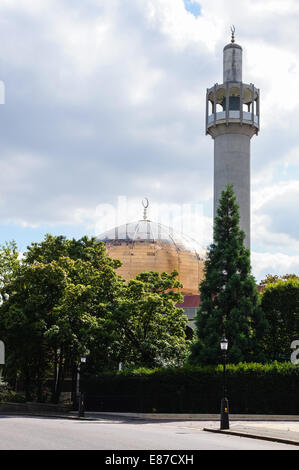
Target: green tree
24,319
82,317
56,302
280,303
229,296
66,298
52,248
151,327
271,278
9,265
155,328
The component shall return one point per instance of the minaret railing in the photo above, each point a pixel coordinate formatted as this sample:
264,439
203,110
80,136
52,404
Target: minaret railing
252,117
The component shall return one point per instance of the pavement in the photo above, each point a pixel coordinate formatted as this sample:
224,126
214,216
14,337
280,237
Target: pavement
277,428
286,432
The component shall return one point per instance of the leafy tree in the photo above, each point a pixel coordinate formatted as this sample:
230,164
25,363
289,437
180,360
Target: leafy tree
9,264
280,302
229,296
81,319
148,303
151,327
52,248
66,298
33,294
54,306
9,260
271,278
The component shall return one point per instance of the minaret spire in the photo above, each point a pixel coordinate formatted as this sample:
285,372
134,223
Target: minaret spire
233,29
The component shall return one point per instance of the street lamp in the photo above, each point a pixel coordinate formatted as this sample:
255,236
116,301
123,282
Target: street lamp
80,395
224,417
3,298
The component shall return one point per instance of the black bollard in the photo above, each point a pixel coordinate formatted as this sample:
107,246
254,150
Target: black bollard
224,419
81,411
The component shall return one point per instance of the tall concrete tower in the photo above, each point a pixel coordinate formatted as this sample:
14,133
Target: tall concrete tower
232,118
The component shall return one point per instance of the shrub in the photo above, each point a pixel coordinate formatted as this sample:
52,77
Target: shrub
252,388
8,395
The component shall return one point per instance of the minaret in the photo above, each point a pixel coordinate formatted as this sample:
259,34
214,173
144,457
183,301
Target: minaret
232,118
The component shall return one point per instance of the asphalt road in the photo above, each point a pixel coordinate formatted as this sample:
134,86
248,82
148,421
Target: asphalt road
35,433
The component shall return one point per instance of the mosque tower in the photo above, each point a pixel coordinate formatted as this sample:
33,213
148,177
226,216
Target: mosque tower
232,118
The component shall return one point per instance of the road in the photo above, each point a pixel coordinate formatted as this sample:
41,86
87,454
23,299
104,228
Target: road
35,433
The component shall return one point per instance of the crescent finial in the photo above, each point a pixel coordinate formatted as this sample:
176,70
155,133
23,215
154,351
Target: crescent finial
233,29
145,204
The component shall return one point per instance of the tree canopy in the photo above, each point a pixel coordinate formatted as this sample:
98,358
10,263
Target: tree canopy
271,278
65,297
152,326
280,302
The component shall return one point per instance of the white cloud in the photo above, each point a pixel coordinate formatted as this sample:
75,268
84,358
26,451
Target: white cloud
274,192
180,27
17,171
273,263
292,157
272,7
275,226
144,81
108,98
276,72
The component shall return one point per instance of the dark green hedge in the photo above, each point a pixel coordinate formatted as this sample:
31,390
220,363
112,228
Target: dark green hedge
252,388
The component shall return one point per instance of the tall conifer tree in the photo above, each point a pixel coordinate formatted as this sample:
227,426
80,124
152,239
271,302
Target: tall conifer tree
229,296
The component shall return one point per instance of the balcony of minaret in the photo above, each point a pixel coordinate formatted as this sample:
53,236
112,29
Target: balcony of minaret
237,103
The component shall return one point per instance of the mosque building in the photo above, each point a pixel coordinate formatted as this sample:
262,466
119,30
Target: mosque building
145,245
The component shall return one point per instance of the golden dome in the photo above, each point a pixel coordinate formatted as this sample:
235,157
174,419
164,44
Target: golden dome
150,246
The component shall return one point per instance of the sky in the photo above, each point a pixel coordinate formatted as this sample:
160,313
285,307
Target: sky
104,105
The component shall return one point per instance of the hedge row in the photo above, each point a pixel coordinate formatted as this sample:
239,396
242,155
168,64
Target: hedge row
252,388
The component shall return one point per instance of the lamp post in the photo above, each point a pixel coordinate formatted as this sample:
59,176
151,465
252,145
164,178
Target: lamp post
224,417
3,298
80,395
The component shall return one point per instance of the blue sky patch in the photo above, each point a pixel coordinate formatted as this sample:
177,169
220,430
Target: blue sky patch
192,7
